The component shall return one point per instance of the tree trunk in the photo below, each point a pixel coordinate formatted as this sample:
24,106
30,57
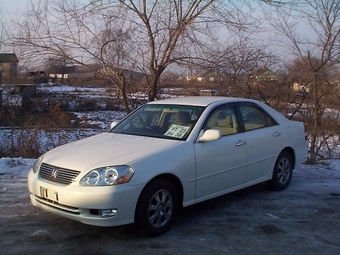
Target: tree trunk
314,133
154,86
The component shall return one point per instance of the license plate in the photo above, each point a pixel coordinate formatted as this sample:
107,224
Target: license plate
49,194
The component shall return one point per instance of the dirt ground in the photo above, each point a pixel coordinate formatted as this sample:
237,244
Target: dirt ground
304,219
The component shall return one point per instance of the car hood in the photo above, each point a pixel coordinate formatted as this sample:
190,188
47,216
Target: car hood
106,149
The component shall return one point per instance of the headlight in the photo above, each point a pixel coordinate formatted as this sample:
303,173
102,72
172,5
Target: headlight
108,176
37,164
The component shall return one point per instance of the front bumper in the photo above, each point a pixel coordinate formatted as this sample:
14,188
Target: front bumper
83,203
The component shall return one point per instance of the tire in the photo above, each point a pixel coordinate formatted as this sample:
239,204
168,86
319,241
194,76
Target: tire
283,171
156,207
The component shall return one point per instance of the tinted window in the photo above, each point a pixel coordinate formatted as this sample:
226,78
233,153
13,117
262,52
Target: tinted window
254,118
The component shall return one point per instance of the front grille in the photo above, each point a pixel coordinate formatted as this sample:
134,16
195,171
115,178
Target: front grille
57,174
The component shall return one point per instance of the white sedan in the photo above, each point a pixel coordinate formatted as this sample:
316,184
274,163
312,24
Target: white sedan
166,155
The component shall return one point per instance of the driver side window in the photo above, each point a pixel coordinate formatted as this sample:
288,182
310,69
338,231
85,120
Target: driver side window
222,118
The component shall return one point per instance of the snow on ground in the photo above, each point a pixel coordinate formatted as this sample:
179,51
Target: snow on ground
19,167
15,167
101,118
66,88
49,139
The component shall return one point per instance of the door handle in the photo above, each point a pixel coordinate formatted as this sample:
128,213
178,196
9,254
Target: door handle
276,134
240,143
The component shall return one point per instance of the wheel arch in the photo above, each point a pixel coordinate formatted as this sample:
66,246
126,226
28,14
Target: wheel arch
174,180
291,152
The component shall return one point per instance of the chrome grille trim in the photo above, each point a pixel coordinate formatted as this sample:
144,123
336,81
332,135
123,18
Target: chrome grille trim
57,174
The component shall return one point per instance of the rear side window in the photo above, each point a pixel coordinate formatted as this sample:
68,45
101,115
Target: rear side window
254,118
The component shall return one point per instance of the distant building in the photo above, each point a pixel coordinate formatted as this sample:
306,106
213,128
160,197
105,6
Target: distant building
61,72
264,75
8,64
89,71
85,71
300,87
209,76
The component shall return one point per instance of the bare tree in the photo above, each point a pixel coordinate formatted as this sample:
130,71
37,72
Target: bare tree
2,30
76,34
148,36
238,63
164,25
318,51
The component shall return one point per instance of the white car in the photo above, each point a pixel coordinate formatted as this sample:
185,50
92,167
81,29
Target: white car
166,155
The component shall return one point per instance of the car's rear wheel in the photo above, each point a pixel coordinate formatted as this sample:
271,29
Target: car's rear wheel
283,171
156,207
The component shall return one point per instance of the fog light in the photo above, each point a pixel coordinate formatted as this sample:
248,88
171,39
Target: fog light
106,213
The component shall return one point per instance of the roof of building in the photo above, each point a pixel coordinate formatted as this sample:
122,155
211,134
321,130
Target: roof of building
265,71
8,57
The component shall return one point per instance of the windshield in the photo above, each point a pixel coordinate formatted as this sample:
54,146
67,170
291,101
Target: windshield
162,121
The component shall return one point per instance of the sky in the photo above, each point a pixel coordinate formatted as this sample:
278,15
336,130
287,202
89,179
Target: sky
17,7
14,9
10,8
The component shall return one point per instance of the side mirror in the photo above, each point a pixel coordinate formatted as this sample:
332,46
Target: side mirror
210,135
113,124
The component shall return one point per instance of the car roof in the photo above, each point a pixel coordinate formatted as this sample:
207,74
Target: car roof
200,100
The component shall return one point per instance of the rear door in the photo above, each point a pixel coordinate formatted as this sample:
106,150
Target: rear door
264,141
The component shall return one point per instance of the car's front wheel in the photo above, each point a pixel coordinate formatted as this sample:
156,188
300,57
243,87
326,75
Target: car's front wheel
283,171
156,207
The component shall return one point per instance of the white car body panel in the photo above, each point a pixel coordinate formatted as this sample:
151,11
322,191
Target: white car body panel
225,171
105,149
81,199
262,150
204,169
72,156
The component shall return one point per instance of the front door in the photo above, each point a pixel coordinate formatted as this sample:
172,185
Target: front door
220,165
